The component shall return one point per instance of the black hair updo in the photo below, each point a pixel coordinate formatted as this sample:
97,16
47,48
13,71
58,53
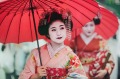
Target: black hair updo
48,19
96,21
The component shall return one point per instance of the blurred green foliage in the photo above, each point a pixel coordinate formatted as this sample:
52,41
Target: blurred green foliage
111,5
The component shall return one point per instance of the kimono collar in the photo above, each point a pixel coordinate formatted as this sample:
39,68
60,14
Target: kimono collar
87,40
51,51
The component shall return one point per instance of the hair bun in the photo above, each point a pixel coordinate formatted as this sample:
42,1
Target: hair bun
96,21
42,29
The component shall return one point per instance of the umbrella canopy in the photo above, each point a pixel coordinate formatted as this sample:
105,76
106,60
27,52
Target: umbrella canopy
109,23
108,26
16,16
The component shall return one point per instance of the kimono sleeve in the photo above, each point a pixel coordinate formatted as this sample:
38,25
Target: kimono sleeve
29,68
110,65
76,66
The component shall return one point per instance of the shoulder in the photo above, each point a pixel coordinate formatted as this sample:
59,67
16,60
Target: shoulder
69,51
99,37
68,48
35,51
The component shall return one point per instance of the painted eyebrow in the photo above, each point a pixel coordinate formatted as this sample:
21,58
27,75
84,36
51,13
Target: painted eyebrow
61,25
55,27
52,27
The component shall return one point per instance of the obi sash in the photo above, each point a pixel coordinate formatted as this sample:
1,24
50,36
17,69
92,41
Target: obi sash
56,73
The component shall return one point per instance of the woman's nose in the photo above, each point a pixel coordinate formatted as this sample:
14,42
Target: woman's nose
58,32
89,28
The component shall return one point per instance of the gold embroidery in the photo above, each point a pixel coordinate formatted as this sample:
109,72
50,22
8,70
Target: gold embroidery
87,60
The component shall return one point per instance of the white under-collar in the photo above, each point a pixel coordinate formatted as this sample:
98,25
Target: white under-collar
87,40
51,51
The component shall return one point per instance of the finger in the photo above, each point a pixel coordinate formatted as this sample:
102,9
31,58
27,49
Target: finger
69,70
43,70
42,67
97,76
98,71
69,67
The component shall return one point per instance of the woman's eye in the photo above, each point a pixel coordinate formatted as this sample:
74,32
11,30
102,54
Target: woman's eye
91,25
53,29
61,28
85,25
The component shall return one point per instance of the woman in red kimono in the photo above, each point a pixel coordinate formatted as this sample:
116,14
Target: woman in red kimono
90,47
59,61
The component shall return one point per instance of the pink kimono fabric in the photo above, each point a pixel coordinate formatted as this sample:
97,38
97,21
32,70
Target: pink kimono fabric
62,59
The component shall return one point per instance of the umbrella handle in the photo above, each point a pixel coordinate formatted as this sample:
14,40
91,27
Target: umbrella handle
36,34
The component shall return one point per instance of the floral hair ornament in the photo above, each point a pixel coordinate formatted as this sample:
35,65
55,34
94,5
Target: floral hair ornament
43,21
47,13
66,16
68,22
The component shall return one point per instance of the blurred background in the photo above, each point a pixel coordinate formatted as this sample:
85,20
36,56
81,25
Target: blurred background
114,42
13,56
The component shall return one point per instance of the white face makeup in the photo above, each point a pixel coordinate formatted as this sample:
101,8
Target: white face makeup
88,29
57,32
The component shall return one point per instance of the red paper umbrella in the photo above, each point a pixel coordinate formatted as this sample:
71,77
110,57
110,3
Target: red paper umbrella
108,26
18,17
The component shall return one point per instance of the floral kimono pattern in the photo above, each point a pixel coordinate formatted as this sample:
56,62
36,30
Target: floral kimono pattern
57,65
93,55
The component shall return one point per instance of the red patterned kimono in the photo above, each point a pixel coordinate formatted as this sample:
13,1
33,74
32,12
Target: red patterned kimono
57,65
93,55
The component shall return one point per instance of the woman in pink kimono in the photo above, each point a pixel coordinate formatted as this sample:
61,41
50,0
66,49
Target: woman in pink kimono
59,61
90,47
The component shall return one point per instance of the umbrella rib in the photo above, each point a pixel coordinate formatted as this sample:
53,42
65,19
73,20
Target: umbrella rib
7,13
63,8
30,26
46,4
9,7
10,23
109,28
112,23
4,4
37,10
20,21
110,15
4,18
92,5
30,22
5,8
40,5
77,9
102,31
